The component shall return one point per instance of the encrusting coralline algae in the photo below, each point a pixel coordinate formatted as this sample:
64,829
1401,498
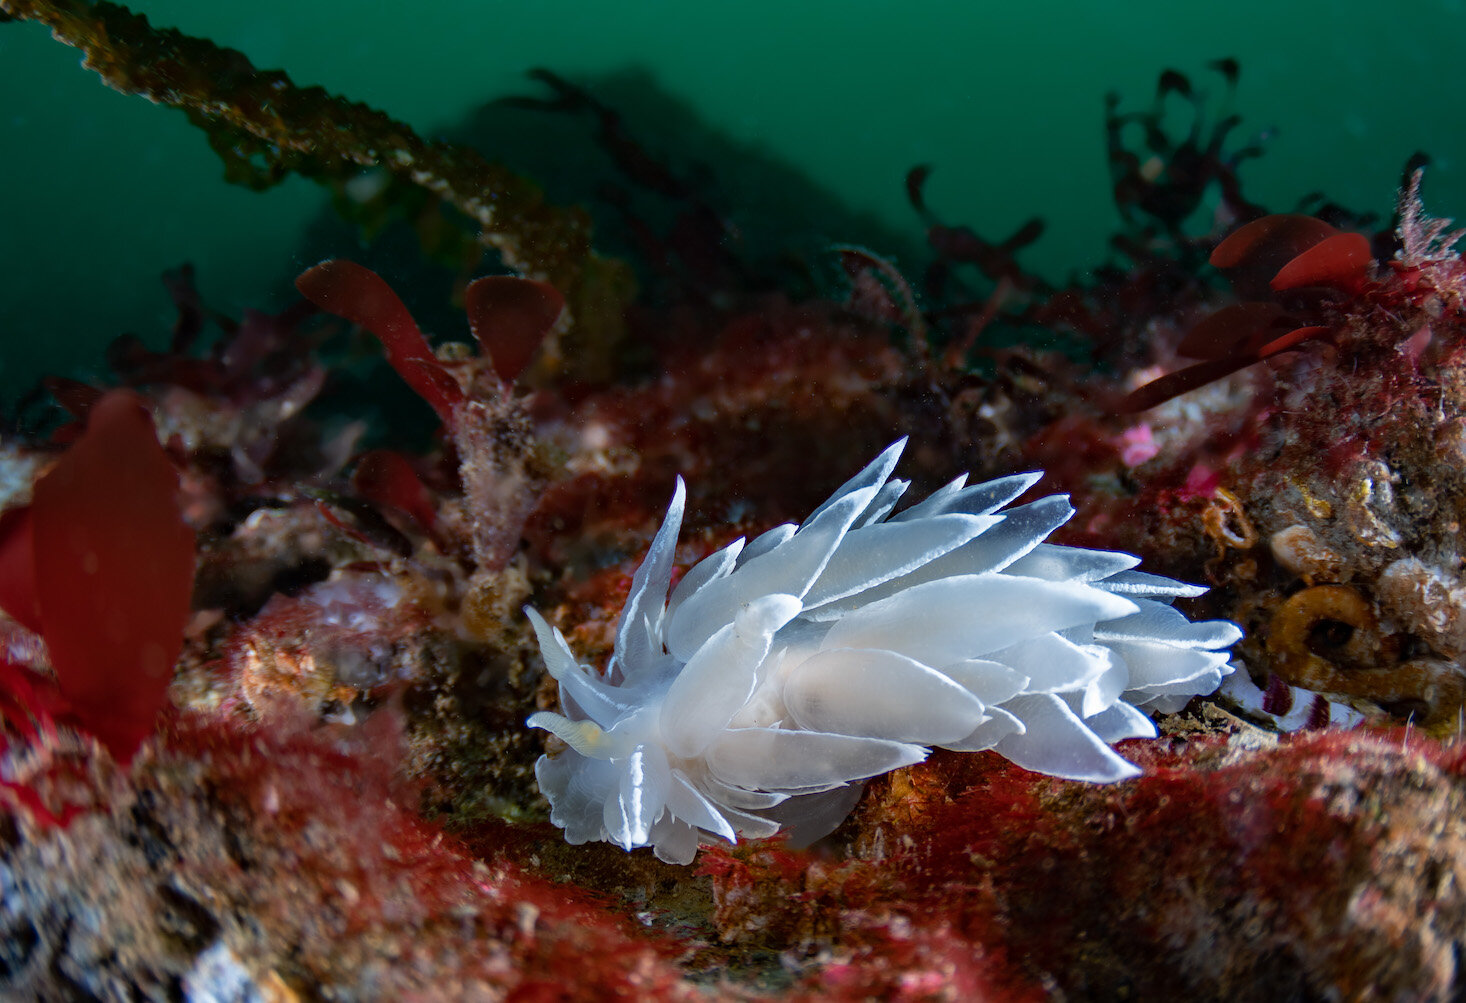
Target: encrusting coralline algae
777,676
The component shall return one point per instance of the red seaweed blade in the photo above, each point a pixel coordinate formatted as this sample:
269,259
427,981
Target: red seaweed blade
360,295
1340,262
114,572
510,318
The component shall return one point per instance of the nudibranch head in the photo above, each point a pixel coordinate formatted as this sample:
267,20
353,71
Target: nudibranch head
758,694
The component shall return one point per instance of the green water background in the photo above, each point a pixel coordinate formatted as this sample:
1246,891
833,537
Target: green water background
99,193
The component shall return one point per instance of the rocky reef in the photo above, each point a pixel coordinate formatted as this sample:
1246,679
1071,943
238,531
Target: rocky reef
265,676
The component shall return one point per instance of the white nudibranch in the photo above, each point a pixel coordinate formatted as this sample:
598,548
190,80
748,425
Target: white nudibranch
779,675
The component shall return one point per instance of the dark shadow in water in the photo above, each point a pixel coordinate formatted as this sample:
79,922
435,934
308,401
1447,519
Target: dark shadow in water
778,222
732,221
739,220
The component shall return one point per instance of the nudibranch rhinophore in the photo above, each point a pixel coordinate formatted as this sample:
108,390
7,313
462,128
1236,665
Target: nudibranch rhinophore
779,675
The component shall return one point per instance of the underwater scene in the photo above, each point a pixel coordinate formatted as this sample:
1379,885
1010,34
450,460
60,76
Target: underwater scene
834,501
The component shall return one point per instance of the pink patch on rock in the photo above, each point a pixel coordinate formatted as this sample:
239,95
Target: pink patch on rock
1137,445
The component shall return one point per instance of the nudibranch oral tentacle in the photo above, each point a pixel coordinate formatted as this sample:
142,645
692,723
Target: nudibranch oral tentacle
777,677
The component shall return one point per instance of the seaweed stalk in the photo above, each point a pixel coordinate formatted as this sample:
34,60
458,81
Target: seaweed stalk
266,127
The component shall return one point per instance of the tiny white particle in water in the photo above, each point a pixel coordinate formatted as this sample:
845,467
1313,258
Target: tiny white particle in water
778,676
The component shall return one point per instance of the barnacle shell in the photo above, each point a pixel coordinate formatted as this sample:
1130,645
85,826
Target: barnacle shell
778,675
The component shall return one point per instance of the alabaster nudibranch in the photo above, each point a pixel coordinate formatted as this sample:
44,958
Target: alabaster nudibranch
779,675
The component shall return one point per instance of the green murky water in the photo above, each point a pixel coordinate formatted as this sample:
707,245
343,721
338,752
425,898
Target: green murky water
99,192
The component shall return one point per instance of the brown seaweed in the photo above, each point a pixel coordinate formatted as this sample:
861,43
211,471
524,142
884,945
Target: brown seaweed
265,127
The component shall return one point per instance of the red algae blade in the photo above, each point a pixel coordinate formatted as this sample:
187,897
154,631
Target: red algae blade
114,572
1175,384
387,478
1292,340
510,317
1252,255
1221,333
1290,233
18,568
361,296
1341,262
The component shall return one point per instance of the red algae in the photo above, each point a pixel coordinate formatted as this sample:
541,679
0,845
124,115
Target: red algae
1343,445
1314,256
339,802
222,842
101,565
114,572
498,462
358,294
1224,871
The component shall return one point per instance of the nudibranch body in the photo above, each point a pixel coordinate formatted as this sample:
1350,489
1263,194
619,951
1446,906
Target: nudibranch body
778,675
